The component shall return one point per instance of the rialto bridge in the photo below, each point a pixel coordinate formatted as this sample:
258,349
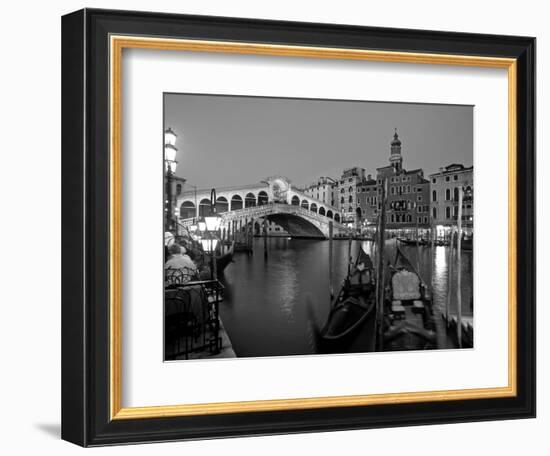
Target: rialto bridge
273,199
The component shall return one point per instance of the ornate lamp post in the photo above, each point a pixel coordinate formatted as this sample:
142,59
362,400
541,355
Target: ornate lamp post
170,165
206,232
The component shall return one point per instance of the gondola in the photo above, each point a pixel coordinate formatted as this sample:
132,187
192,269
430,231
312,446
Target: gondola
350,325
223,260
408,316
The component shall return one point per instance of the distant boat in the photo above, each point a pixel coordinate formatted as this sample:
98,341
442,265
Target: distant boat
350,325
407,241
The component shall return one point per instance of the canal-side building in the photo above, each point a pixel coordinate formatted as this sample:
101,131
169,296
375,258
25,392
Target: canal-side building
367,201
444,190
347,194
324,190
408,194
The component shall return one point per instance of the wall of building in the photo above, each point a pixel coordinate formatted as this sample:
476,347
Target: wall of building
444,187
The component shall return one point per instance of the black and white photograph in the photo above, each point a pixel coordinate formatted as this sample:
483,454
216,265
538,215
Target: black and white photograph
310,226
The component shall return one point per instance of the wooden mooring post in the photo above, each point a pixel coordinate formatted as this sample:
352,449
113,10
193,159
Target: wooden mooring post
459,270
330,260
449,279
265,238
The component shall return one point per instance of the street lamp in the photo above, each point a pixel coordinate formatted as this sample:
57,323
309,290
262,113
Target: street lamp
170,164
206,232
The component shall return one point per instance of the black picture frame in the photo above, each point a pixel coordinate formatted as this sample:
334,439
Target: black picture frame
85,228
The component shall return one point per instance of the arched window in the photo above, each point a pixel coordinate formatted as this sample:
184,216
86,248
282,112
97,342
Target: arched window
448,194
456,194
249,200
351,189
350,199
329,213
322,211
434,195
295,201
204,208
222,205
305,204
434,213
447,212
337,217
262,198
313,207
359,212
236,203
342,200
188,210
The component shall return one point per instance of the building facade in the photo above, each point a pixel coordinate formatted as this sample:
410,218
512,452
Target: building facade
368,200
347,194
444,193
324,190
408,200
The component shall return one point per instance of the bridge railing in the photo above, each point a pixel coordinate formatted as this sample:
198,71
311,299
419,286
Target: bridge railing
265,210
270,208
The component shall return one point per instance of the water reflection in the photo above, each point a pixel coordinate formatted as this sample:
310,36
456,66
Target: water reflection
266,311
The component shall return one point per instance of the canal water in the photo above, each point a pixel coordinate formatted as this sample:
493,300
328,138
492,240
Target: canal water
272,306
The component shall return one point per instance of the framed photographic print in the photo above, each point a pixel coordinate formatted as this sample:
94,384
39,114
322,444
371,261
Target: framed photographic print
275,227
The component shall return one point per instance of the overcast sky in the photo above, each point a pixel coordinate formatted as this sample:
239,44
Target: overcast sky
225,141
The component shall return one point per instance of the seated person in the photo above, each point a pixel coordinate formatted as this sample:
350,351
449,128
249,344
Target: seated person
179,260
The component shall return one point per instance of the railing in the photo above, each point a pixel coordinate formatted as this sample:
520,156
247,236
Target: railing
267,209
279,208
191,317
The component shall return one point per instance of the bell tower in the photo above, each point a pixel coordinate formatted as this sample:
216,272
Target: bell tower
396,159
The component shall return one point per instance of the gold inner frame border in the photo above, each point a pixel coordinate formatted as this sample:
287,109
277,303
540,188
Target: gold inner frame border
117,44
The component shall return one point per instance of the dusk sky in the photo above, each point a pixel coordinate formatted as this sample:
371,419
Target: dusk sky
226,141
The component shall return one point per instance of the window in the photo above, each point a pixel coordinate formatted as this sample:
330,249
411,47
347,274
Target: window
342,200
448,194
392,219
433,180
456,194
418,198
447,178
350,199
448,212
434,196
409,218
351,189
434,213
468,206
455,177
455,210
393,191
350,180
178,189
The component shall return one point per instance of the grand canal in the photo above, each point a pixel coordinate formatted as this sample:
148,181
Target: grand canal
272,306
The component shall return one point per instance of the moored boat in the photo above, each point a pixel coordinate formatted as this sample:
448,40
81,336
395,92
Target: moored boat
408,317
350,325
